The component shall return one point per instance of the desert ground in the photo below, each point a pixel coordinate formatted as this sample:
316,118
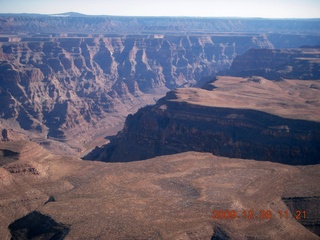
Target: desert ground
168,197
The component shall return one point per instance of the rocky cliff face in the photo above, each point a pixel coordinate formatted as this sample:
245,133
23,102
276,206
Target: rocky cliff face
50,86
235,117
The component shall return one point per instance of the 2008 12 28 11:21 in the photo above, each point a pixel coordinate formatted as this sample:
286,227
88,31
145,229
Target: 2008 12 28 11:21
261,214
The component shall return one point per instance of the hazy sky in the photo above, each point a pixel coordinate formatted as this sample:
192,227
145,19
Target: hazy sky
204,8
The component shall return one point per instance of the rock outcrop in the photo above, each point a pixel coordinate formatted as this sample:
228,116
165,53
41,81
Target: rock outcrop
236,117
4,134
21,150
38,226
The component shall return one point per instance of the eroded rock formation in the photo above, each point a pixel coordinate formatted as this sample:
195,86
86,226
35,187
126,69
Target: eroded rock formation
22,169
4,134
237,117
50,86
71,78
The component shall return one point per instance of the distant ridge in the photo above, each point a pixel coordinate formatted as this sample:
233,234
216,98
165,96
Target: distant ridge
22,15
67,14
90,24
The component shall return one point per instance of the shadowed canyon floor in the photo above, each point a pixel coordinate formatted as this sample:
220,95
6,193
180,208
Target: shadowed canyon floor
169,197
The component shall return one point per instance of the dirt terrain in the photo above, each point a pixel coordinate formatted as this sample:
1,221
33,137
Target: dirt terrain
294,99
169,197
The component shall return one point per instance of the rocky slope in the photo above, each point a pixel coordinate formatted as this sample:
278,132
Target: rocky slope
250,118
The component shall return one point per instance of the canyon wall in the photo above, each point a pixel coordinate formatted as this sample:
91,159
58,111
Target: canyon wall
247,117
68,78
171,127
53,85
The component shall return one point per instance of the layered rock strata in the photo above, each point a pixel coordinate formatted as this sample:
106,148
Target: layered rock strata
60,88
233,117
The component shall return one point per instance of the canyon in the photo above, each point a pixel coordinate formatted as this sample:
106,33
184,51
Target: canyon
145,128
62,87
66,88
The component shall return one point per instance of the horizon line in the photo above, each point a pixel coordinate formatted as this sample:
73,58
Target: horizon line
148,16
